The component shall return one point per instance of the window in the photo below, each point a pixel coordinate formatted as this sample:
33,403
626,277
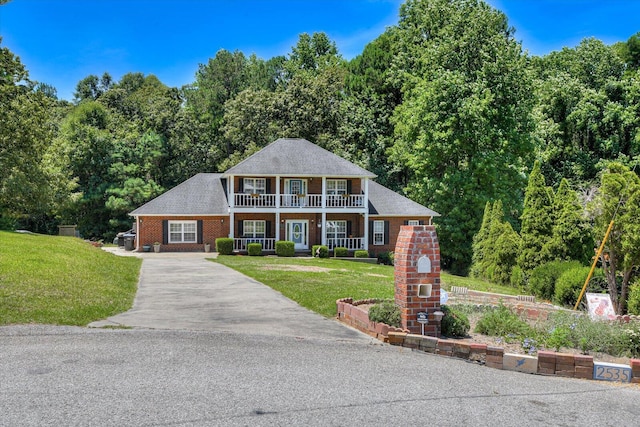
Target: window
336,186
252,228
413,222
255,185
378,232
182,231
336,229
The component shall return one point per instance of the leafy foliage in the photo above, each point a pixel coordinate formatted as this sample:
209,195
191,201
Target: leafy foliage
285,248
386,312
254,249
224,245
455,323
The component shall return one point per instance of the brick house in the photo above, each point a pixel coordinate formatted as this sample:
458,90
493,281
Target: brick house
290,190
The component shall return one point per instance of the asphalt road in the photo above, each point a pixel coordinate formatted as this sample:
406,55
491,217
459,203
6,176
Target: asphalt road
209,346
101,377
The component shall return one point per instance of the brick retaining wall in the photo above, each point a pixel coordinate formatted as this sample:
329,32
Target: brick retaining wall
546,362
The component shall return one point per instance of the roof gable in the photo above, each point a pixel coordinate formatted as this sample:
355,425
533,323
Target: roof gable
296,156
202,194
386,202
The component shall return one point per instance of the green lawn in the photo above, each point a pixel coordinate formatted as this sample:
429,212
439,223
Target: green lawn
318,283
62,280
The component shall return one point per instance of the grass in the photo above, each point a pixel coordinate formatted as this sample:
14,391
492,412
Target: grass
449,280
62,280
318,291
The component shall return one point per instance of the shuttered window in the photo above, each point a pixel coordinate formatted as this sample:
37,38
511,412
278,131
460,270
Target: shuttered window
252,228
378,232
183,231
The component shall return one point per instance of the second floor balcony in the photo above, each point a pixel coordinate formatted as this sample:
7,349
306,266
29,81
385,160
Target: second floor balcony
302,201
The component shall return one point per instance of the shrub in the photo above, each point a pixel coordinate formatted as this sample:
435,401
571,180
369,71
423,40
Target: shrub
454,322
285,248
361,254
385,312
517,277
569,285
633,301
385,258
340,252
254,249
321,251
502,322
224,245
542,282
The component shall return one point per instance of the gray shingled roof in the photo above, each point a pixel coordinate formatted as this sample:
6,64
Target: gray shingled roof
299,157
385,202
202,194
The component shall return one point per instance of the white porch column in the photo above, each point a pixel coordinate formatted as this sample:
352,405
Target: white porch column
231,191
324,222
277,226
366,214
324,196
277,194
232,199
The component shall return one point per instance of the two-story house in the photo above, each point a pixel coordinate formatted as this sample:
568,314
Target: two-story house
290,190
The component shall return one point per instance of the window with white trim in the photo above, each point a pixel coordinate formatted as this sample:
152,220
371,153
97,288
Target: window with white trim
336,186
336,229
413,222
253,228
255,185
378,232
182,231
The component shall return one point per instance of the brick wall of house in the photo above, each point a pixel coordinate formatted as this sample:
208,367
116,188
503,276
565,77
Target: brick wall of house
394,229
150,231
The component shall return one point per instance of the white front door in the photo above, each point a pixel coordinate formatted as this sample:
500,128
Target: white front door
298,233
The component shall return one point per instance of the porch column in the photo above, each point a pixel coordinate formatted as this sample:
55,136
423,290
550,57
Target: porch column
277,226
277,195
324,222
232,223
366,214
324,196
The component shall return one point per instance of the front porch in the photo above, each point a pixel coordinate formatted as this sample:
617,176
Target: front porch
269,244
332,230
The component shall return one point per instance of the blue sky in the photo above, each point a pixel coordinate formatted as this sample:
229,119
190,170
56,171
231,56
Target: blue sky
62,41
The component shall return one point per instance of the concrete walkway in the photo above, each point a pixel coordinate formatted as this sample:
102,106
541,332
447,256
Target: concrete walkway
185,291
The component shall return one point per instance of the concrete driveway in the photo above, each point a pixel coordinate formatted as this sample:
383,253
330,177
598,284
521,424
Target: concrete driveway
185,291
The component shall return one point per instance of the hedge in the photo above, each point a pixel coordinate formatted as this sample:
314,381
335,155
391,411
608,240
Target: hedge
224,245
285,248
254,249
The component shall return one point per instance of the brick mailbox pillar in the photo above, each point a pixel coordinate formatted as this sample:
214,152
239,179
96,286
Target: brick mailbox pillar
417,278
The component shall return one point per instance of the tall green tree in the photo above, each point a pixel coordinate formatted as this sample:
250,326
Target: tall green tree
570,236
618,200
537,221
26,130
463,129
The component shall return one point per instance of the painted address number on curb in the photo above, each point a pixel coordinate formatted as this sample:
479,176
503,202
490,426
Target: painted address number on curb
612,372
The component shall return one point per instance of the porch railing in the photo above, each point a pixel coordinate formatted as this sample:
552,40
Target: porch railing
351,243
240,244
242,200
255,200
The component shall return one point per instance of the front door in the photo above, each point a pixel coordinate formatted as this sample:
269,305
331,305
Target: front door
298,233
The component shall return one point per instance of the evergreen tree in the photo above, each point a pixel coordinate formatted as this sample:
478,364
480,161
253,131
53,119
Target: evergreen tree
570,238
537,223
481,244
506,250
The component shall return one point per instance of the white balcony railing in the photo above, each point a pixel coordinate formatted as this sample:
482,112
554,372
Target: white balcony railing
345,200
240,244
351,243
242,200
255,200
302,201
